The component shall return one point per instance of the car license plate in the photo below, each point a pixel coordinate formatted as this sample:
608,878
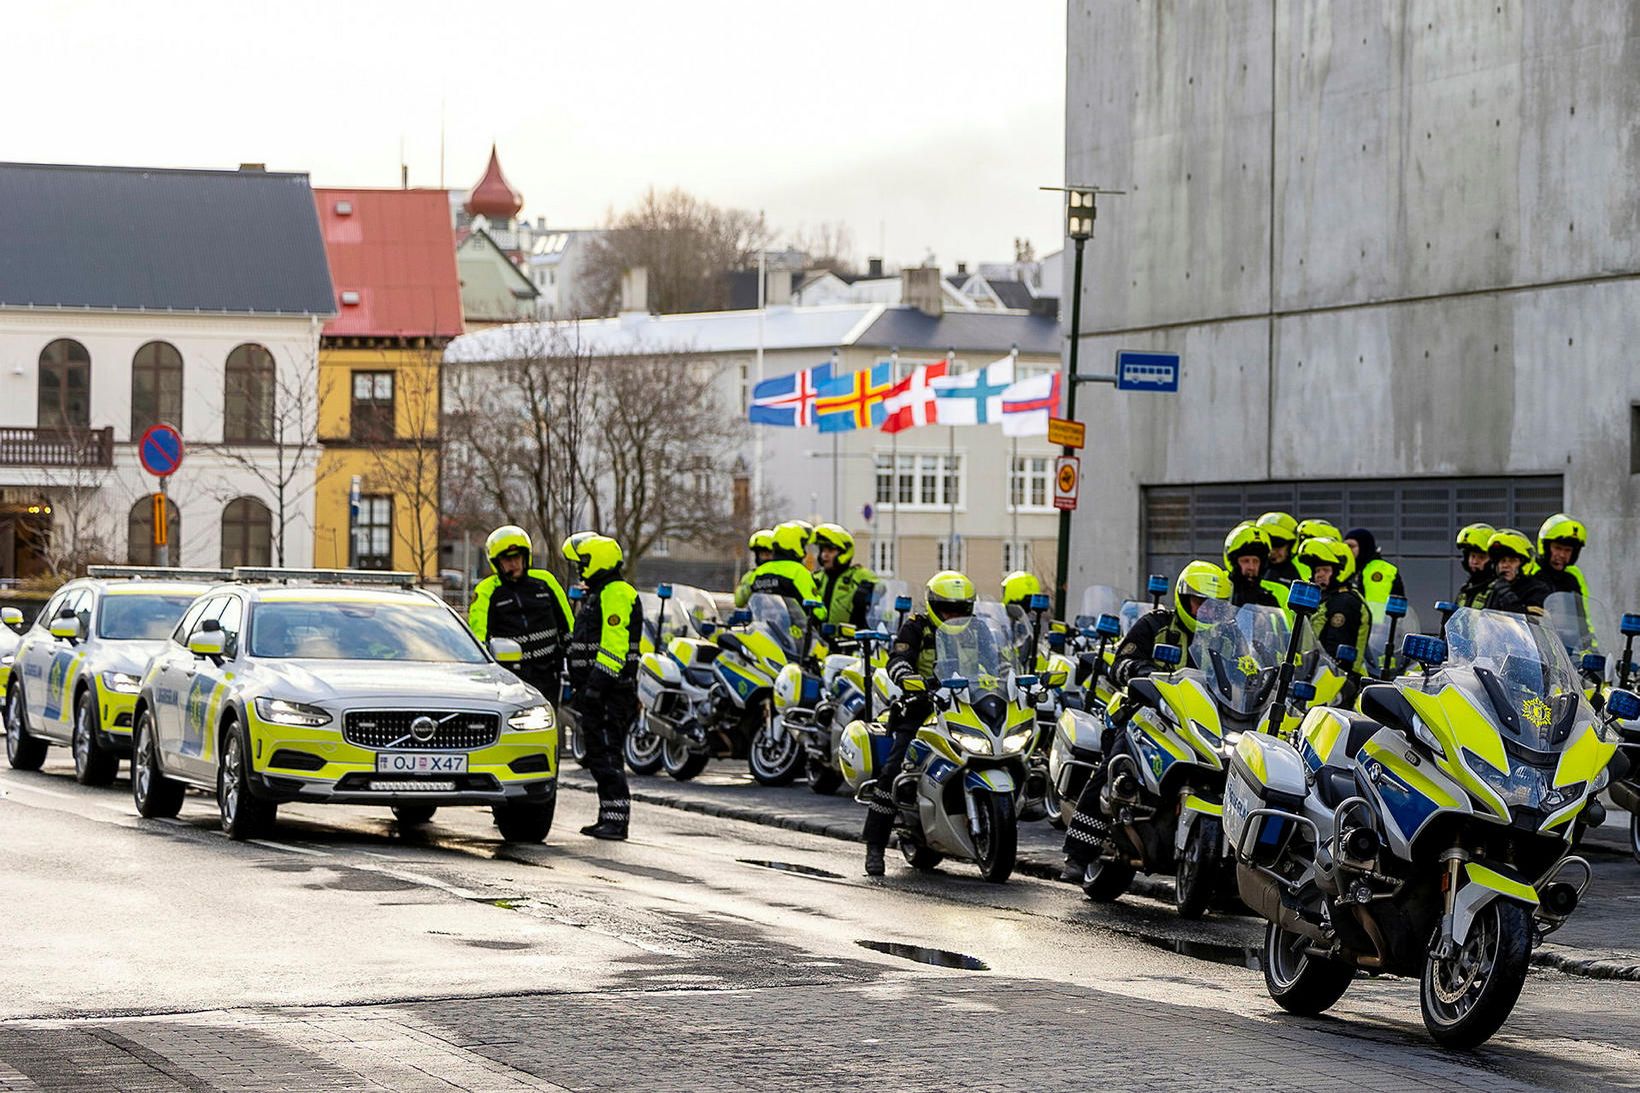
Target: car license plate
420,762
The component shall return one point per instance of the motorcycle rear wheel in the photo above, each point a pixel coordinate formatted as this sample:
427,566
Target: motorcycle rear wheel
1634,835
996,844
681,763
918,856
1467,998
1196,876
774,756
643,748
1298,982
1106,881
822,778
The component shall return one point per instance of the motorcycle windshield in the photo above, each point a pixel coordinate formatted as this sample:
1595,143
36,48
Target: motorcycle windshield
1577,621
1378,641
881,614
693,607
1523,672
982,649
1131,612
781,619
1099,599
1239,650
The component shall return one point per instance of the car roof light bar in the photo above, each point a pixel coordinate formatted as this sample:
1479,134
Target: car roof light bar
263,574
156,572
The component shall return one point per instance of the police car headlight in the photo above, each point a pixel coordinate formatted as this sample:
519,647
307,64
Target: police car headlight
123,683
281,712
974,743
534,719
1015,741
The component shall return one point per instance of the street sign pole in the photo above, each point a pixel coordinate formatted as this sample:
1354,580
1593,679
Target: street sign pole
160,450
162,530
1061,573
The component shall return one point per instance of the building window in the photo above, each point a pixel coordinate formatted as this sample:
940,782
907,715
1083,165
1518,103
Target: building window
156,387
247,533
372,406
661,548
373,533
65,386
1016,555
948,554
1030,486
927,481
248,390
882,557
139,531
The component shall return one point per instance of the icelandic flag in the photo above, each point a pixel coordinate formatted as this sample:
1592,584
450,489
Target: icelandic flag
1027,405
975,398
854,401
788,401
912,401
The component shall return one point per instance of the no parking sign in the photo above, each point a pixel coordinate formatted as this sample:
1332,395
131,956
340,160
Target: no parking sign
160,450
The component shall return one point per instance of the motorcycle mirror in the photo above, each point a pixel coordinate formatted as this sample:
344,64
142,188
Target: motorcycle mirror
1040,602
1303,692
1057,677
1346,654
1108,626
1156,585
811,604
707,629
1594,664
1623,705
1169,655
903,603
1425,649
1025,682
664,591
740,617
1303,597
1396,607
954,683
1630,626
1445,607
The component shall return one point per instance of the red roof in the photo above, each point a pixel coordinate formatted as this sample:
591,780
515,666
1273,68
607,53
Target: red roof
494,197
395,249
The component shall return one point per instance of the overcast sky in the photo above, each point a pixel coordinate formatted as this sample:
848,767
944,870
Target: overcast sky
925,125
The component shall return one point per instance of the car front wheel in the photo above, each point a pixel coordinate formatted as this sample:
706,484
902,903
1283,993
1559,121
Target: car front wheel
244,816
94,765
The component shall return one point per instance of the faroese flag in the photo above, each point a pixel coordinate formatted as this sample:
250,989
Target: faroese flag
855,401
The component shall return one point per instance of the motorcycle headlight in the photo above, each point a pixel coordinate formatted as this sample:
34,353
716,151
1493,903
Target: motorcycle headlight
6,661
282,712
123,683
974,743
532,719
1016,741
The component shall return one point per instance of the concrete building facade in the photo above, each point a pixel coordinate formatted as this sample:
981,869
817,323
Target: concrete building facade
1397,246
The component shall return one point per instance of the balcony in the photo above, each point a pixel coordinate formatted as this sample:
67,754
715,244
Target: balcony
21,447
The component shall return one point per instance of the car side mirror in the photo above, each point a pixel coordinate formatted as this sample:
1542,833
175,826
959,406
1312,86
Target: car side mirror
506,651
11,617
66,628
208,643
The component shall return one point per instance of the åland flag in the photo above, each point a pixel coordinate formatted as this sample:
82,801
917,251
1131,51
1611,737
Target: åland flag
855,401
788,401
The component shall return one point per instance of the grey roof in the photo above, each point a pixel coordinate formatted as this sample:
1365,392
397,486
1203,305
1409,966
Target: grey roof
964,331
143,238
1013,294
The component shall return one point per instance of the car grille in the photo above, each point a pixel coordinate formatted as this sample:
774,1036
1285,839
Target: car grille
453,729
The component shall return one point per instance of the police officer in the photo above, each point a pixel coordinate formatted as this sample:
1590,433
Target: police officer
1561,540
1377,578
1514,589
949,595
761,544
1246,549
525,605
603,671
844,587
1018,589
1282,531
784,574
1343,618
1472,542
1197,583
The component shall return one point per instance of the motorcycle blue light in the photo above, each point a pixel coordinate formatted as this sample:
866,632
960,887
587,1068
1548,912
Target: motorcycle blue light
1303,596
811,604
1303,691
1026,682
1156,585
1424,648
1445,607
664,591
1630,626
827,629
576,592
1347,654
955,683
740,617
1056,642
1040,602
902,603
1167,654
1593,663
1396,607
1109,626
1623,705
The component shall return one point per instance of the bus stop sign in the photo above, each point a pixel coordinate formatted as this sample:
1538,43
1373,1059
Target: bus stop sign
1143,371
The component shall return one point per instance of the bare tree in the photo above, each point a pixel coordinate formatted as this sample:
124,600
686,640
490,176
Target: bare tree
74,500
688,246
828,245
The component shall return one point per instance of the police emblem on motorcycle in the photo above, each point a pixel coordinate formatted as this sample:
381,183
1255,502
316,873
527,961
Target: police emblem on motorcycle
423,728
1248,665
1537,712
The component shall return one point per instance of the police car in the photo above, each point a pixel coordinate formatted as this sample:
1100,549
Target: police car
337,686
74,675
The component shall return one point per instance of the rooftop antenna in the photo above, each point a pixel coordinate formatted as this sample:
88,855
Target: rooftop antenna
441,144
404,168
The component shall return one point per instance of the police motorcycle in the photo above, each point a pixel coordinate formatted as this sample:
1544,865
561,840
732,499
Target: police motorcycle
1429,834
1043,654
844,695
710,699
670,612
1164,785
959,790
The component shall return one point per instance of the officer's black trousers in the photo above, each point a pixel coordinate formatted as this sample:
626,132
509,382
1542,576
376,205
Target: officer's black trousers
604,722
903,722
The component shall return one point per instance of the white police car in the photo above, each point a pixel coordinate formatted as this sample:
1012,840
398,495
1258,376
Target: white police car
335,686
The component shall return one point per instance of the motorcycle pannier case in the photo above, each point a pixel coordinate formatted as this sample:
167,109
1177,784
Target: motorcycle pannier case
659,683
1264,789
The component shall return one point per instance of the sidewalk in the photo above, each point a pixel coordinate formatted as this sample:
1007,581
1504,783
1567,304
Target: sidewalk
1601,941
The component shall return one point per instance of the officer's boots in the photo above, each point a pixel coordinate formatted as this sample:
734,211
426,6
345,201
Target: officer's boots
613,817
874,860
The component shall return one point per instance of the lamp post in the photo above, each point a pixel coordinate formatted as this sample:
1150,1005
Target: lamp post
1080,211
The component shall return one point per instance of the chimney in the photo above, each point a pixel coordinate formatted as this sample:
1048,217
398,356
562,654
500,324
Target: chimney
778,291
635,290
962,269
874,267
253,166
920,288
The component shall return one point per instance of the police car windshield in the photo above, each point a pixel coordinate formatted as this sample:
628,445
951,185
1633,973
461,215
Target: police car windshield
141,618
360,631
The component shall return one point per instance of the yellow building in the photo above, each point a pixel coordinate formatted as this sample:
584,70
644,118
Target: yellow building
392,260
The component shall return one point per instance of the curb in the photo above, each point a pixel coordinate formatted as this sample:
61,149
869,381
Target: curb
1558,958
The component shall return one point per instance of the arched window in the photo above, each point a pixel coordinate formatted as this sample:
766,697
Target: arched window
156,387
247,533
65,386
248,396
139,535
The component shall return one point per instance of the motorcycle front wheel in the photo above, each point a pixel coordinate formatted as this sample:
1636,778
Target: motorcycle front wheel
996,843
643,747
1301,983
1634,835
1467,997
775,757
680,762
1196,878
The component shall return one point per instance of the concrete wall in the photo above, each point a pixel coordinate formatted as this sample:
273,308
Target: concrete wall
1389,239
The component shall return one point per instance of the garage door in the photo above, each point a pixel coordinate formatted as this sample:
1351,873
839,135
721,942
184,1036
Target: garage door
1415,519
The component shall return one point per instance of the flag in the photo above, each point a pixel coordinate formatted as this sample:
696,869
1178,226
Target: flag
788,401
854,401
1027,405
911,402
975,398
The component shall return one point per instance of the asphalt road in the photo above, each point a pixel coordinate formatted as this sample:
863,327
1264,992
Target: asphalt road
706,952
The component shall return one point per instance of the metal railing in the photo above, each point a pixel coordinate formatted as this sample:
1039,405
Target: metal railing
26,447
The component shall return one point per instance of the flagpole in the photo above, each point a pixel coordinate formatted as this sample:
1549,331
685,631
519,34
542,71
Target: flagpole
757,463
836,510
1013,467
894,480
951,543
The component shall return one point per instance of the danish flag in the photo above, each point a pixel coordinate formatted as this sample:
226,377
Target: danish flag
912,402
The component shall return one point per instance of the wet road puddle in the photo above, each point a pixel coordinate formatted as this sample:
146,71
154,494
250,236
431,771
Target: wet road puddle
939,958
789,867
1235,956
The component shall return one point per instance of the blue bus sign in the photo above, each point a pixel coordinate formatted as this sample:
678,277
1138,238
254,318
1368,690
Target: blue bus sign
1143,371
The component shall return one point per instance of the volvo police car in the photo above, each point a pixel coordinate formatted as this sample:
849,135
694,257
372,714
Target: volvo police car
74,675
336,686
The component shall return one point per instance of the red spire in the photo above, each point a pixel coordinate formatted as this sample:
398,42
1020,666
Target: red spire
493,197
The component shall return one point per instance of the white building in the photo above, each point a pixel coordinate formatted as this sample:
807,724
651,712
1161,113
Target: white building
135,296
